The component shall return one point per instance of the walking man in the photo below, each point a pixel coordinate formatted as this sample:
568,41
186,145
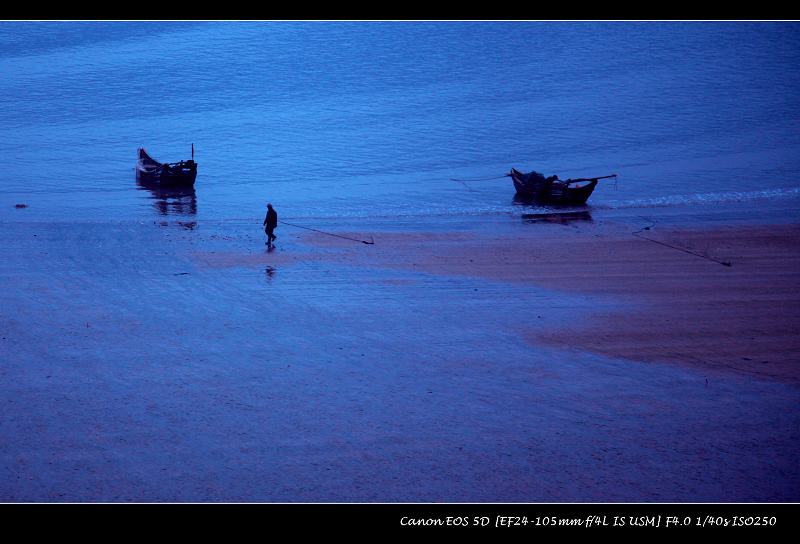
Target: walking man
270,222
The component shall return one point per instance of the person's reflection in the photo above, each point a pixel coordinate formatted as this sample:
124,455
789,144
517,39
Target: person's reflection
175,201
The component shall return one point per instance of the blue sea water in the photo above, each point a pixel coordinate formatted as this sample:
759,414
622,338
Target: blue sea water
374,119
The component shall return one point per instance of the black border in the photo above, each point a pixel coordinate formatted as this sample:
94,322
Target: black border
451,11
226,521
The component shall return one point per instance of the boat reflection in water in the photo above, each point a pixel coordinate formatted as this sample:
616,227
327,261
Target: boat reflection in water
561,215
561,218
173,202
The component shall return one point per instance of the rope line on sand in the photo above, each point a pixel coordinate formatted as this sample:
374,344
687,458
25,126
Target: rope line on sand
636,233
371,242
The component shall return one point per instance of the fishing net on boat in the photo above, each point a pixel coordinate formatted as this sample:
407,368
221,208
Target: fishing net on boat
534,177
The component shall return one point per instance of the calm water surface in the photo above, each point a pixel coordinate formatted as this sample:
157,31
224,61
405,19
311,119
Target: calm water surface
336,119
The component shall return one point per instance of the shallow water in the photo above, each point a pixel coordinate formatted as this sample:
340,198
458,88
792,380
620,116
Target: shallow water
362,119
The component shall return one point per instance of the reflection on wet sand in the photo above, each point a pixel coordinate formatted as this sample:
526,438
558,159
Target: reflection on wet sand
562,218
175,201
551,214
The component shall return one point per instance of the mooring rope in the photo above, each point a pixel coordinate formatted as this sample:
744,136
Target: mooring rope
371,242
636,233
480,179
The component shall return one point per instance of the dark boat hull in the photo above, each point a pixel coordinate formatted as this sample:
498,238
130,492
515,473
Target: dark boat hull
550,192
151,172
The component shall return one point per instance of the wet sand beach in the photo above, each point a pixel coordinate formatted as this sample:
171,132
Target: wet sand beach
491,359
679,304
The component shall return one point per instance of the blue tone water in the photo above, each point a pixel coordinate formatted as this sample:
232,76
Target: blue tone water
374,119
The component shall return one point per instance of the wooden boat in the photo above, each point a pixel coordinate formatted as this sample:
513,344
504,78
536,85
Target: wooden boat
176,174
551,190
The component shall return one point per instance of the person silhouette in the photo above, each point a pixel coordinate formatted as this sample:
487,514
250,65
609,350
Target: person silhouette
270,222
